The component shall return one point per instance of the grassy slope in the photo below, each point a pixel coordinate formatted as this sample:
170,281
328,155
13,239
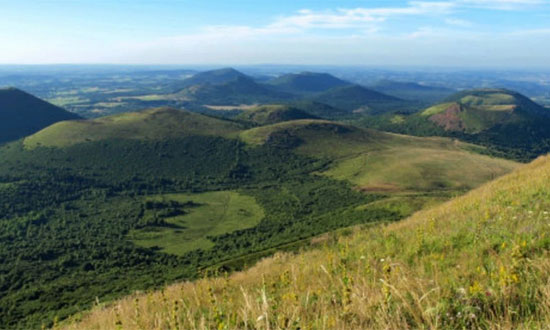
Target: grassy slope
271,114
380,161
480,260
218,213
159,123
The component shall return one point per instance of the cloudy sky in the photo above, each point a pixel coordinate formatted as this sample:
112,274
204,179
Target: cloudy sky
509,33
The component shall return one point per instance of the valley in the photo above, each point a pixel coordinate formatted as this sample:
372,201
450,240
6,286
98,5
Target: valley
225,171
275,165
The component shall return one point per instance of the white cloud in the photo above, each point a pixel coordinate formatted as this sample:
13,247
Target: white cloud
503,4
458,22
358,17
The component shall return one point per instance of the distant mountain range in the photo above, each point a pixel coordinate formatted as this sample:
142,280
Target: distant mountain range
231,87
412,91
22,114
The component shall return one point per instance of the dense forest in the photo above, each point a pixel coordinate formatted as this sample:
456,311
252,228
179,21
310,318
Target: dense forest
66,214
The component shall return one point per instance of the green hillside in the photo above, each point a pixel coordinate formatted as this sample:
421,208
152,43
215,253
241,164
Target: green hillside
358,99
97,209
94,210
153,124
505,121
271,114
479,261
321,110
241,90
213,77
377,161
306,82
22,114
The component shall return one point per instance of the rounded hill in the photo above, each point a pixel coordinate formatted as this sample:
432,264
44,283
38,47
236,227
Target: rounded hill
271,114
152,124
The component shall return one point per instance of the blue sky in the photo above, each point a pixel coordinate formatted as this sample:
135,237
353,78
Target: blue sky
507,33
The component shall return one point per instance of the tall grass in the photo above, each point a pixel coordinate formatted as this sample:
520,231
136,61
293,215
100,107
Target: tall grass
478,261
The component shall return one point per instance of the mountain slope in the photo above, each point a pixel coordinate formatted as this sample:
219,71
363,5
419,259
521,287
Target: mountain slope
478,261
97,209
504,120
306,82
358,99
320,109
213,77
22,114
153,124
241,90
412,91
94,210
271,114
377,161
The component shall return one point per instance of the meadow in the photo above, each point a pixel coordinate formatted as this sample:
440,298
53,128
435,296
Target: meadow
211,214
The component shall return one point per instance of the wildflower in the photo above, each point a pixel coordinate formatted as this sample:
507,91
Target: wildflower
382,260
362,257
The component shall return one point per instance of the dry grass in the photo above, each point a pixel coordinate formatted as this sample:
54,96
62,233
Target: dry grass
479,261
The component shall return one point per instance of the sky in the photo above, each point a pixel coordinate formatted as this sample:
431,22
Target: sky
465,33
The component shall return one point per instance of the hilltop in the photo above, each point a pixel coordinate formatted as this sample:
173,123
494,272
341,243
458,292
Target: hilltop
504,120
361,100
241,90
152,124
213,77
22,114
306,82
478,261
271,114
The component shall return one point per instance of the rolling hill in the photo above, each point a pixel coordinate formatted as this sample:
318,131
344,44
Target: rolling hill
152,124
306,82
22,114
478,261
241,90
358,99
383,162
96,209
412,91
271,114
504,120
213,77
